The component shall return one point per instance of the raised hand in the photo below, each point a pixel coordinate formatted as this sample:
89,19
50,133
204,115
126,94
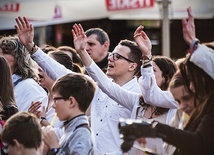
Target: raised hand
34,108
45,80
79,37
188,27
142,41
25,32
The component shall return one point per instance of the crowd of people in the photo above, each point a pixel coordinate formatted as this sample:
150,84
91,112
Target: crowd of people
69,100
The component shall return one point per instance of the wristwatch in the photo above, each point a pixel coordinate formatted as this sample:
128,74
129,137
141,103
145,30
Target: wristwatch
41,119
53,151
146,57
194,45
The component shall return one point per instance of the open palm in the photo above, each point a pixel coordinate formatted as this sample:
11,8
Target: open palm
79,37
142,41
24,30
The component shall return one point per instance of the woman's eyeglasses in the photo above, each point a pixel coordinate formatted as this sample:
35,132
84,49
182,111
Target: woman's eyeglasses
117,56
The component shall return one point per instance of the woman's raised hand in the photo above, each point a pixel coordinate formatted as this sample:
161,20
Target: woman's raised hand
25,32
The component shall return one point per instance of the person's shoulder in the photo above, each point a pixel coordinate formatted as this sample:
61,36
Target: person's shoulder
80,135
28,81
31,84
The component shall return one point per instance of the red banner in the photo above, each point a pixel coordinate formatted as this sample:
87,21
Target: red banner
9,7
116,5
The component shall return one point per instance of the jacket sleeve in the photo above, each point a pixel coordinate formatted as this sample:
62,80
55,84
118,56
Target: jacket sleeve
53,69
203,57
198,141
152,94
120,95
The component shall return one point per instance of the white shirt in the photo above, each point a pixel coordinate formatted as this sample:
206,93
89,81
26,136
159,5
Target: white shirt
28,91
131,100
50,66
105,112
203,57
127,98
152,94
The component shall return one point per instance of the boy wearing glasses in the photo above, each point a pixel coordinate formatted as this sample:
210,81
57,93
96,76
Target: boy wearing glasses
72,95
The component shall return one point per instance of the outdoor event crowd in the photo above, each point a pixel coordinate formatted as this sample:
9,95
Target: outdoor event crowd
70,101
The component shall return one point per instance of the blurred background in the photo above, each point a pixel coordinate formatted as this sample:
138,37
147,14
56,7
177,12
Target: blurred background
53,20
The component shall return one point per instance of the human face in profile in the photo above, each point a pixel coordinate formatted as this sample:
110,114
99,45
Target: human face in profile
158,74
61,106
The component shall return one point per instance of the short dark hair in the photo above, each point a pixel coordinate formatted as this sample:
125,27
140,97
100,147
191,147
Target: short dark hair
135,53
25,128
77,85
102,36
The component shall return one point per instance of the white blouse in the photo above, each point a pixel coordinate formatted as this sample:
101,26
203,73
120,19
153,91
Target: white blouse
28,91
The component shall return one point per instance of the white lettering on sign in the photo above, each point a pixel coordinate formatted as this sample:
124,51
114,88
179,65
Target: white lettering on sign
9,7
114,5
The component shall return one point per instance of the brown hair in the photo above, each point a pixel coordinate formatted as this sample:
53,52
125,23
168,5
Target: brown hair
75,56
203,87
77,85
65,60
168,68
23,127
134,55
6,84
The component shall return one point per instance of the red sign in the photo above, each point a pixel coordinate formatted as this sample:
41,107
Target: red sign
57,12
116,5
9,7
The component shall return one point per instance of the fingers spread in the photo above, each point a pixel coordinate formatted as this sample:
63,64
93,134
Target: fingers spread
19,25
26,22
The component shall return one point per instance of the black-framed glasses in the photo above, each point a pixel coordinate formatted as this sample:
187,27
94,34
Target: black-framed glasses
58,98
117,56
